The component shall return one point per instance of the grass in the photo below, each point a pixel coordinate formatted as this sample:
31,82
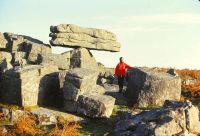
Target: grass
97,127
30,108
101,127
6,122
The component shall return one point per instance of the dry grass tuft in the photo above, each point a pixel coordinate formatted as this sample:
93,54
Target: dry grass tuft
26,125
68,129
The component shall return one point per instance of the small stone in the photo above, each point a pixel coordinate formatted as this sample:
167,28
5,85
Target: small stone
17,114
172,72
45,116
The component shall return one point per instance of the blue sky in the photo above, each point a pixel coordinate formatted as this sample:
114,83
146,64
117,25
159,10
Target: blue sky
152,32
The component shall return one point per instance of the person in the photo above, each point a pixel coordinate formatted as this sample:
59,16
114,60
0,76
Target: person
120,72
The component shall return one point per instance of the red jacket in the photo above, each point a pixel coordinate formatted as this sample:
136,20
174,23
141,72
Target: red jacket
120,69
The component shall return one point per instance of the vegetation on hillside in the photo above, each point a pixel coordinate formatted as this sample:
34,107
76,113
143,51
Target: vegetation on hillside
193,90
28,125
189,91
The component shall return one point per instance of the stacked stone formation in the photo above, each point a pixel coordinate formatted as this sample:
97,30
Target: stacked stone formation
27,85
26,50
68,35
149,88
80,97
24,86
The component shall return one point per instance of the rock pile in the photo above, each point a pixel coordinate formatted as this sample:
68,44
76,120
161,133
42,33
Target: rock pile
175,118
68,35
148,88
30,74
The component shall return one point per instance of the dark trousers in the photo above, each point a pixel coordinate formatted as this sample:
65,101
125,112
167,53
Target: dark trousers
121,82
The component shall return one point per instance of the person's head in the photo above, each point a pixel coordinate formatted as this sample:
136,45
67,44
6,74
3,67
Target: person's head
121,59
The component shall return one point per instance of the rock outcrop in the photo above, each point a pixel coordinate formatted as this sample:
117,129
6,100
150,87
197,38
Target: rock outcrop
43,115
60,60
3,42
68,35
25,47
47,117
82,95
5,61
82,58
192,120
94,105
77,82
24,86
173,119
148,88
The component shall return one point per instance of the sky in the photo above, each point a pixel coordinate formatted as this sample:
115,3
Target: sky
153,33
